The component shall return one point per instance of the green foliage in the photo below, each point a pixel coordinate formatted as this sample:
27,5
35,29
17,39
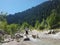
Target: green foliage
3,25
31,27
43,24
51,20
37,24
36,13
24,24
13,28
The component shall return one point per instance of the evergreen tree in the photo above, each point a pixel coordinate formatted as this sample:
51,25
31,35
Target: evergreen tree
24,24
36,24
43,24
51,19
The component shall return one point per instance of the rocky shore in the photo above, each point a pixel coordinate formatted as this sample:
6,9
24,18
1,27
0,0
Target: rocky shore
38,38
46,35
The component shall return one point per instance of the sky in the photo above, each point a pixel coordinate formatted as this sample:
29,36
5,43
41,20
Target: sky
14,6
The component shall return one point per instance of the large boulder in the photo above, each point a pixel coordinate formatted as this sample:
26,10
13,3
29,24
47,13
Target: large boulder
51,32
35,34
27,39
18,35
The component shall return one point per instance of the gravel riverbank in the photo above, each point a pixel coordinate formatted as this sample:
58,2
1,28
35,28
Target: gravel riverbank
44,39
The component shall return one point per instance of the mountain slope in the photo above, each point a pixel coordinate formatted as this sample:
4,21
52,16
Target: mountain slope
35,13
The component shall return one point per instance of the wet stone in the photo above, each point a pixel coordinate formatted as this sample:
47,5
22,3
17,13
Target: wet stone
26,39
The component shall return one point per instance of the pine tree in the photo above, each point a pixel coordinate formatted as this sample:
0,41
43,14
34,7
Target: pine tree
36,24
24,24
51,19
